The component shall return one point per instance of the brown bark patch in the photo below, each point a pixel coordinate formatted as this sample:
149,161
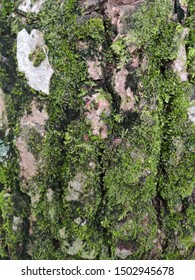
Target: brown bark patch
126,94
96,106
28,163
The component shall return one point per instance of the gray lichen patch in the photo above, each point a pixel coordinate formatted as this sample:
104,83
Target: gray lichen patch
49,195
3,151
76,247
29,6
75,187
180,63
191,114
17,222
37,71
123,253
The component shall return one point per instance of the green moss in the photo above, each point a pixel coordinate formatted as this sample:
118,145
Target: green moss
34,142
9,239
177,143
134,167
85,210
154,30
3,175
37,56
92,29
190,22
130,191
180,232
174,135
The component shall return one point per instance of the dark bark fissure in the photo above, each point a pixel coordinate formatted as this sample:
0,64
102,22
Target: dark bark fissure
19,198
107,86
103,203
179,11
159,203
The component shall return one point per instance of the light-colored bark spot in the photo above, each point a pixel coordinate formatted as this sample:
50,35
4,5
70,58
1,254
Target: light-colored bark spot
3,114
96,106
75,187
29,6
36,119
49,195
77,245
95,69
123,253
38,76
191,114
179,65
118,10
126,94
117,141
135,62
82,46
28,163
17,222
92,165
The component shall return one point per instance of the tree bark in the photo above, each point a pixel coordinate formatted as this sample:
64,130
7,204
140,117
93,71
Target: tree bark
97,129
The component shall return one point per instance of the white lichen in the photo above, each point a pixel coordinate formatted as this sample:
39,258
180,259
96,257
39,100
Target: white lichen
38,76
191,114
29,6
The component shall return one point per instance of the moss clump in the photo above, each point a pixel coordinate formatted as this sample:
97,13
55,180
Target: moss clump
91,29
34,142
37,56
190,22
175,136
133,165
12,225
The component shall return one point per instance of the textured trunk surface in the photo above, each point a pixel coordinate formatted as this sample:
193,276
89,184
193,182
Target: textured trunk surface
97,129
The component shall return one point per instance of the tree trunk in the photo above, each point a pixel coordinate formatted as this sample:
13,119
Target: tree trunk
97,129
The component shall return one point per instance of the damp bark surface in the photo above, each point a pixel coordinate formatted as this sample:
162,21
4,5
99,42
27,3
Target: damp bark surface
97,130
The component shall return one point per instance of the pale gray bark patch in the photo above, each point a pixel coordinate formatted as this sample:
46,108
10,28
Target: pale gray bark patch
75,187
180,63
28,6
38,77
191,114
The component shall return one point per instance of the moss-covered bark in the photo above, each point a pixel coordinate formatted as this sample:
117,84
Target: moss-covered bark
112,145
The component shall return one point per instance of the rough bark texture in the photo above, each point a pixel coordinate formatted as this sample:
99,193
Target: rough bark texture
97,129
